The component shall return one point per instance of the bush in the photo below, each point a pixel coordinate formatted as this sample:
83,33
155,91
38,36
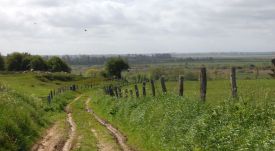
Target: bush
18,61
37,63
55,64
57,77
2,63
115,66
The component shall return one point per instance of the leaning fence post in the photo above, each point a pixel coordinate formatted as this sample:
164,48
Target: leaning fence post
233,82
136,89
162,81
203,81
181,87
144,88
153,88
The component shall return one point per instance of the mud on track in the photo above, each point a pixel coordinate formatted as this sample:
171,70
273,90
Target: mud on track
54,139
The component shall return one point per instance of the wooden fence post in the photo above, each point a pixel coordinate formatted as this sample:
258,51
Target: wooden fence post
181,87
137,92
116,93
153,88
144,88
111,91
119,92
163,86
131,93
126,93
51,94
233,82
203,81
49,99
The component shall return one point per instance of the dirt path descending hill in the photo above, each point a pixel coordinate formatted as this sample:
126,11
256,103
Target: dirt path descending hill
121,139
69,143
52,141
55,138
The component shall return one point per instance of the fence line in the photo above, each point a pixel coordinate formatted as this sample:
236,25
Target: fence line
203,85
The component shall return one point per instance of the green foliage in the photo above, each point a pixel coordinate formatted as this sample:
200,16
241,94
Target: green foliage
169,122
18,61
115,66
38,64
2,63
58,76
57,65
23,117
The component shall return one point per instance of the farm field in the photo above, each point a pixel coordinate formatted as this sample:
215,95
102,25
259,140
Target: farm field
164,122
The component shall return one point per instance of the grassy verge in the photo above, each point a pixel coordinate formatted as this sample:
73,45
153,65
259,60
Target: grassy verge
86,124
169,122
23,118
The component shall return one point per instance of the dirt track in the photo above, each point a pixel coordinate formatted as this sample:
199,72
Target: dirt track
69,143
54,139
121,139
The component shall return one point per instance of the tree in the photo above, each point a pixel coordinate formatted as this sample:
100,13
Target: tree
37,63
273,68
115,66
18,61
2,63
55,64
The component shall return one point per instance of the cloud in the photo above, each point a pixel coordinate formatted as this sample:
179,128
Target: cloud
115,26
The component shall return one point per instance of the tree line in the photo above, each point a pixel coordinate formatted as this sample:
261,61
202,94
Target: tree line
26,62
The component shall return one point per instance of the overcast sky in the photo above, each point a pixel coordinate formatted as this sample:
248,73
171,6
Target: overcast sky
136,26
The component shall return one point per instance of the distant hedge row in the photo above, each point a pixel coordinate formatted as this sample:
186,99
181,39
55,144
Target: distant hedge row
24,62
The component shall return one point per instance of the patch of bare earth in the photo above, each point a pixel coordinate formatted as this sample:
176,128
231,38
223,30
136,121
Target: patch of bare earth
120,138
69,143
52,141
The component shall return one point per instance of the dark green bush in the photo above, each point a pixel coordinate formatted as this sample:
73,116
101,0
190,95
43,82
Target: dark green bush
59,76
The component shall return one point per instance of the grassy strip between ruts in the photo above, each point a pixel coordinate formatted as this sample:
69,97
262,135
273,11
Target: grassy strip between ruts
90,134
169,122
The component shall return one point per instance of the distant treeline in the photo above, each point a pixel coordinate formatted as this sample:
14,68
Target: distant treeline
100,60
26,62
132,59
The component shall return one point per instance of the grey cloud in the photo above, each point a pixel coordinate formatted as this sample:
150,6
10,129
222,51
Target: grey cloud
138,24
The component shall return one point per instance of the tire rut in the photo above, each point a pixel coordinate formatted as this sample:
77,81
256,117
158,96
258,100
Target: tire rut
54,139
120,138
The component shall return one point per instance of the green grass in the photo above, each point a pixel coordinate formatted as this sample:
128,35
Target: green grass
23,118
217,90
85,123
169,122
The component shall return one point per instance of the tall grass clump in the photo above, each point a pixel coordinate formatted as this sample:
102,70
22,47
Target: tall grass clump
22,118
169,122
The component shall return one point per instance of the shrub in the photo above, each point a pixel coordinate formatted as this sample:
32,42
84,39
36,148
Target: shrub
114,67
55,64
37,63
18,61
57,76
